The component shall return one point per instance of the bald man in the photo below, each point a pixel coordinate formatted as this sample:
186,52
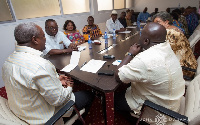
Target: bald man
154,72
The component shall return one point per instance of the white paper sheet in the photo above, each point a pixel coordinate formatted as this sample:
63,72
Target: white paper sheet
81,48
73,62
125,32
93,66
117,62
131,27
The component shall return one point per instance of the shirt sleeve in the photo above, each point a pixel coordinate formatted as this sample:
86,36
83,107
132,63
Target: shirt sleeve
47,83
47,47
120,25
109,28
65,40
139,17
135,71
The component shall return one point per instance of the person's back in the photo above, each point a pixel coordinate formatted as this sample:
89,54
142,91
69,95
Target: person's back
155,73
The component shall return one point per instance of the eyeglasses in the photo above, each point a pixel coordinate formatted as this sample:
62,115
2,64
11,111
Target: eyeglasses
52,28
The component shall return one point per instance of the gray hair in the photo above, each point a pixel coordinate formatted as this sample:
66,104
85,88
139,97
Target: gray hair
24,32
164,16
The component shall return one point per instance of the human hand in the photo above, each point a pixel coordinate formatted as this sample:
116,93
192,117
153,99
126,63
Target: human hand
66,81
135,49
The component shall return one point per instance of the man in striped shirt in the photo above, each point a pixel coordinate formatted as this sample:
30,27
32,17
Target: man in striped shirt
35,90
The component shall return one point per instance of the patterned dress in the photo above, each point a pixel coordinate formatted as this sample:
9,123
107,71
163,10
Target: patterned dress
181,47
192,21
94,31
75,38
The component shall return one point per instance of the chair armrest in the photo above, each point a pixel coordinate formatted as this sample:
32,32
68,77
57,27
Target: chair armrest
166,111
60,113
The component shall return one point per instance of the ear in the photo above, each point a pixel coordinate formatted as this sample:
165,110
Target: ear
34,40
146,42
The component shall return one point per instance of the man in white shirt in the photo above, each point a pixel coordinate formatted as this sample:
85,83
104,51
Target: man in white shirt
113,23
155,74
34,89
56,41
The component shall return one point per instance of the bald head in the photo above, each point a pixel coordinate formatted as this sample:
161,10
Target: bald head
153,33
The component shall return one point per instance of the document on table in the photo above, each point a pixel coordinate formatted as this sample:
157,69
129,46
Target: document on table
125,32
131,27
93,66
81,48
73,62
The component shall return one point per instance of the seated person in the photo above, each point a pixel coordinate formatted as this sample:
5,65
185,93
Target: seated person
113,23
128,19
122,19
155,12
157,78
143,16
133,17
72,34
176,22
179,43
34,89
91,29
56,41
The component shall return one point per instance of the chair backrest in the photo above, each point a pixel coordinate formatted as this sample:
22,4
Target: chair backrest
192,101
194,38
197,28
6,115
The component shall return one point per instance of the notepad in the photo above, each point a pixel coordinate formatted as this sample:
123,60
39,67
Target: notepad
93,66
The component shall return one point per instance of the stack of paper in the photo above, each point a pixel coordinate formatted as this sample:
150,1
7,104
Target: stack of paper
73,62
93,66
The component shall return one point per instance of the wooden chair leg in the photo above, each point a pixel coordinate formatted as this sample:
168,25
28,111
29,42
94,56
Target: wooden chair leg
79,116
142,111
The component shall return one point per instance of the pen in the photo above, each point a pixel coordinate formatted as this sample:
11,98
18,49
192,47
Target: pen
84,63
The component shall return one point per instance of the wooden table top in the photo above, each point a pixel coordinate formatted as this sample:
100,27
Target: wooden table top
99,82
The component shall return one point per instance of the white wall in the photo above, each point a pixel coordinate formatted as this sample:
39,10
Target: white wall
139,5
7,40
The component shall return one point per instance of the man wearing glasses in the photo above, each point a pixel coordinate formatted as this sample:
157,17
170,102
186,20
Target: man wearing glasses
56,41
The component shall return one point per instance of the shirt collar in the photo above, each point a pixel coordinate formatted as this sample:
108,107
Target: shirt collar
26,49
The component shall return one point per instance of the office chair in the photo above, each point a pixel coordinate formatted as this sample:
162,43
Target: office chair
189,112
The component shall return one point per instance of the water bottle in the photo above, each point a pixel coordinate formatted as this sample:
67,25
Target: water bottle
114,35
138,25
89,42
105,35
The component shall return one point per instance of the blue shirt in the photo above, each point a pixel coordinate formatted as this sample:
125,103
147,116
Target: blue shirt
143,16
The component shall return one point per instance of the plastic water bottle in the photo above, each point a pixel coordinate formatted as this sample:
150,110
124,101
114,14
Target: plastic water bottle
106,40
138,25
114,35
89,42
105,35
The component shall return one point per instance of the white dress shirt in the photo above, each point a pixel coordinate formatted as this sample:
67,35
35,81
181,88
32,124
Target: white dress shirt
58,42
155,75
111,25
33,86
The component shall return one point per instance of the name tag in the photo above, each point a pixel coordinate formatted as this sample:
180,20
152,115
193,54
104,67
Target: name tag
61,42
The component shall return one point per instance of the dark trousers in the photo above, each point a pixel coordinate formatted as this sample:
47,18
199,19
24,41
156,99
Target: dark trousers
83,99
123,108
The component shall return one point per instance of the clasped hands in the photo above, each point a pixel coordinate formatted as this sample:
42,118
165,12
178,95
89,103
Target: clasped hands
66,81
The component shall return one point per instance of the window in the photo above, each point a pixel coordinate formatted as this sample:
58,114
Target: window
119,4
105,5
5,14
35,8
129,3
75,6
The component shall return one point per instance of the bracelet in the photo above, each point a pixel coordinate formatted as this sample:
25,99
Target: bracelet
130,54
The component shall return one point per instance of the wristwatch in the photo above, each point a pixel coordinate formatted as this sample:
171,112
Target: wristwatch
130,54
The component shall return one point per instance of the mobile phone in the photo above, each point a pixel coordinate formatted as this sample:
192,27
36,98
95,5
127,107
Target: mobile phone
105,72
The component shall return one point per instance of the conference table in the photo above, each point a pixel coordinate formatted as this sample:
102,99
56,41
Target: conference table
105,84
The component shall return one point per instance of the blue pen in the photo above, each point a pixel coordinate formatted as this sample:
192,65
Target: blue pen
84,63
